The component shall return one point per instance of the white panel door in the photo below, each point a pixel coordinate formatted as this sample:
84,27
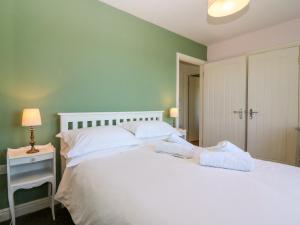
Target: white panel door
225,102
273,94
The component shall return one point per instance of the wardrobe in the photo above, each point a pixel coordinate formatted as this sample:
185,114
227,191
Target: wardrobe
253,101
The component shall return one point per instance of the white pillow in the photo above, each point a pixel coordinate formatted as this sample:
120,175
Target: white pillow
83,141
149,129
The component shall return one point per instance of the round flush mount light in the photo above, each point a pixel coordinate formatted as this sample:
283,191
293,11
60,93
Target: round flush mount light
221,8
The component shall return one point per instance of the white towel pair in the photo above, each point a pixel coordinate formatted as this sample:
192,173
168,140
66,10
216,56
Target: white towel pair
228,156
224,155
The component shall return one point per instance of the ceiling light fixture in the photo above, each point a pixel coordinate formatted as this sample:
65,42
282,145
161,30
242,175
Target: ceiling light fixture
221,8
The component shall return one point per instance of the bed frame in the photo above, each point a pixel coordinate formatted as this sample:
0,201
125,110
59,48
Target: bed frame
74,121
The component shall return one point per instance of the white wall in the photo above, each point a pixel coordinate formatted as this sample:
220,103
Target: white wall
271,37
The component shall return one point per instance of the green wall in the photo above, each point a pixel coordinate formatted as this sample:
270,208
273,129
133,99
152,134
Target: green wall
79,55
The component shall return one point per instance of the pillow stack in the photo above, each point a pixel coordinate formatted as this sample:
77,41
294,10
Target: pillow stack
83,141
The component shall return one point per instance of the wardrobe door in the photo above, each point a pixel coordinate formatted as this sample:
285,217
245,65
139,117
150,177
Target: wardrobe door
273,105
225,101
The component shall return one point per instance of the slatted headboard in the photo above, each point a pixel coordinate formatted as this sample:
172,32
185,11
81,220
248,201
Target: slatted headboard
73,121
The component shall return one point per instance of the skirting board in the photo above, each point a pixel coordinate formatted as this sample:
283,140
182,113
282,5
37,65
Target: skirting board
25,208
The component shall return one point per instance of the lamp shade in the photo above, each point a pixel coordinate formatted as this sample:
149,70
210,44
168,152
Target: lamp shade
174,112
31,117
220,8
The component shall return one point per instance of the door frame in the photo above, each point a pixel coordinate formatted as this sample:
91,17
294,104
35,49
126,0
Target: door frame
200,63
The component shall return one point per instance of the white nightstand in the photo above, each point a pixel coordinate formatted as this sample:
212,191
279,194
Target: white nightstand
182,132
25,171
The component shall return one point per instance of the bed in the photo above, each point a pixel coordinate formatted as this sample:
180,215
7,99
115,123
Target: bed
141,187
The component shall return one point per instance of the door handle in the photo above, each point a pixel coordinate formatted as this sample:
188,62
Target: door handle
240,112
252,113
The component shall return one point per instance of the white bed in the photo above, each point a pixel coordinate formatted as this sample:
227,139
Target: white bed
141,187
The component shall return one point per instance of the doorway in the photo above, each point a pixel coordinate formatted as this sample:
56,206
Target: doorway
189,97
193,108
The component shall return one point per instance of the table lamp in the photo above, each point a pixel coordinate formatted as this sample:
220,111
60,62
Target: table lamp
31,118
174,115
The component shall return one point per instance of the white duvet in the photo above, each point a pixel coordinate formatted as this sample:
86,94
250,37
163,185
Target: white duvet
141,187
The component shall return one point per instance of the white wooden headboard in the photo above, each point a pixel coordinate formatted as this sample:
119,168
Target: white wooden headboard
73,121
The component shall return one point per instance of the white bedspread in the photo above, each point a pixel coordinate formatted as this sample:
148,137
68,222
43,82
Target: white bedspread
141,187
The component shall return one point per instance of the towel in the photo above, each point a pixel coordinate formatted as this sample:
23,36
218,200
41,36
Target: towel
174,149
229,147
176,139
225,146
241,161
228,156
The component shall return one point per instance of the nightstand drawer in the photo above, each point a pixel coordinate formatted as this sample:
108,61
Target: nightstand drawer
30,159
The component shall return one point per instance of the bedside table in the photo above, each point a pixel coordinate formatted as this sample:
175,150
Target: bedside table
182,132
25,171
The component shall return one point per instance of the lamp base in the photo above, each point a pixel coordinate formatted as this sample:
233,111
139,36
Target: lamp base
32,142
32,150
174,122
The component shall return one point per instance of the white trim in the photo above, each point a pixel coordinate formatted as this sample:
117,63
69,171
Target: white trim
277,47
107,113
189,59
200,63
258,51
25,208
201,117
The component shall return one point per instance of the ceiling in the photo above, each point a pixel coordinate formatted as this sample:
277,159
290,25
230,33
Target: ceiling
189,17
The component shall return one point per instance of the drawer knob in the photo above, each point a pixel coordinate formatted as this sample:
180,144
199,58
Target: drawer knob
32,159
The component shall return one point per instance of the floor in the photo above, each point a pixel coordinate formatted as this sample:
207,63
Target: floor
195,143
44,217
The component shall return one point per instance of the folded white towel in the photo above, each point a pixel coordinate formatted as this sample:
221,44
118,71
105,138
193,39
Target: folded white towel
229,147
174,149
176,139
225,146
238,160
